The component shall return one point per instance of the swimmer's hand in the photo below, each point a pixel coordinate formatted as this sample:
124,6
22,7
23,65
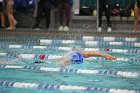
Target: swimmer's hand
109,57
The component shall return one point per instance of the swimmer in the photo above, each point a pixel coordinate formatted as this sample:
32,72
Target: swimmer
78,57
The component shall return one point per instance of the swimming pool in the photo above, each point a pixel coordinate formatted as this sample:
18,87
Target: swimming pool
21,75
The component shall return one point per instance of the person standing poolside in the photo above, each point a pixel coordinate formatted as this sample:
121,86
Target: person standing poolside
64,7
10,10
104,6
136,15
2,17
43,7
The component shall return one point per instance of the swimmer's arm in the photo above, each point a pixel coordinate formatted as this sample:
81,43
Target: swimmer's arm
109,57
3,63
98,54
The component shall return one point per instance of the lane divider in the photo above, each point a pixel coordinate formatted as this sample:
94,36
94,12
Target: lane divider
87,38
19,39
78,71
24,85
115,39
70,48
88,43
48,57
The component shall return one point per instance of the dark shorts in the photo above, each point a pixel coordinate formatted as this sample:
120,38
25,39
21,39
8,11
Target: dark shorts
64,1
138,3
1,7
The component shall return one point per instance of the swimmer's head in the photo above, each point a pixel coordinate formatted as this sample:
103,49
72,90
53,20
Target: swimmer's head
77,61
76,58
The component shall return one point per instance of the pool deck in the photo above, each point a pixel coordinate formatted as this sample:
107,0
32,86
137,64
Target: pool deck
71,33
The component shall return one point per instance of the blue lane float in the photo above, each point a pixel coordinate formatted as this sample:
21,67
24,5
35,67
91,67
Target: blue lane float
2,46
78,71
24,85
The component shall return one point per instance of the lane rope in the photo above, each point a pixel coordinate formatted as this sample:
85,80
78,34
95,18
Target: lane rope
80,71
88,43
24,85
69,48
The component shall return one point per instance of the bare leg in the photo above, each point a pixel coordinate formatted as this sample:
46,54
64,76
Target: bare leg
12,17
1,17
10,23
136,13
2,20
8,8
67,13
12,20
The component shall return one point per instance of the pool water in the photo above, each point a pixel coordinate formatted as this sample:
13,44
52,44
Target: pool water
65,78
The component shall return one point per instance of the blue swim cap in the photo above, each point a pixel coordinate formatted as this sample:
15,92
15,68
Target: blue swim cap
76,58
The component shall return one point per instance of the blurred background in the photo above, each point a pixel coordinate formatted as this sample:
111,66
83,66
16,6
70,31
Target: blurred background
84,14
